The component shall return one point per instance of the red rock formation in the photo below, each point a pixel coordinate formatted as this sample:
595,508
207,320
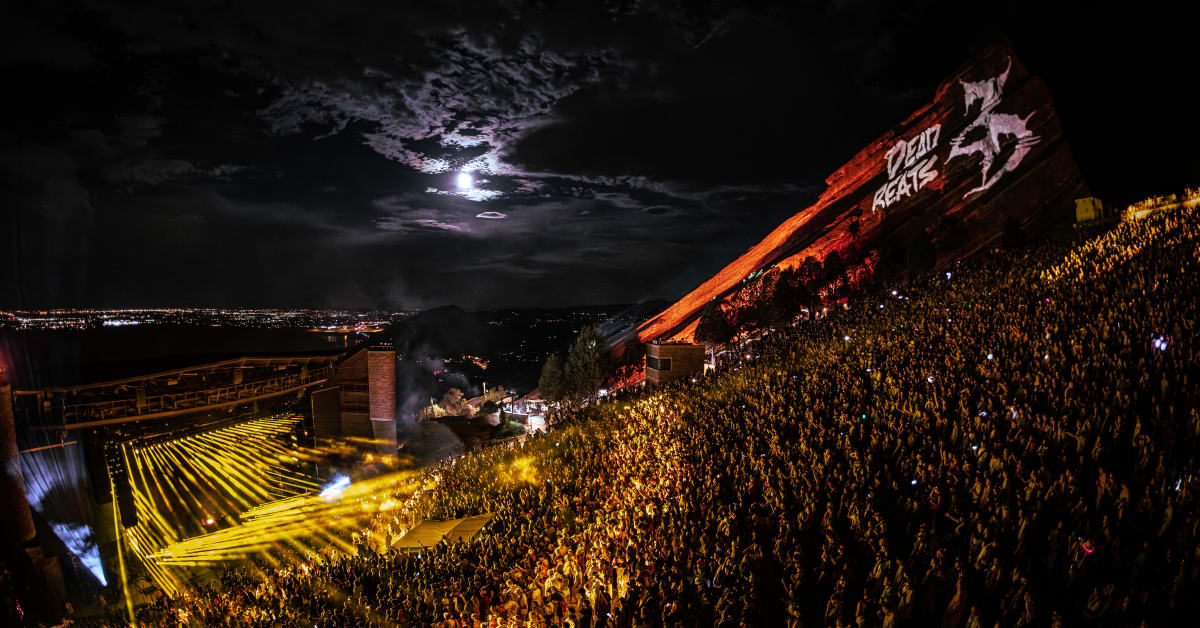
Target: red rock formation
989,147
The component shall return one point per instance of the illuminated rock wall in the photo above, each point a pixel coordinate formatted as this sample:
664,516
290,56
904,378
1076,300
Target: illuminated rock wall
989,147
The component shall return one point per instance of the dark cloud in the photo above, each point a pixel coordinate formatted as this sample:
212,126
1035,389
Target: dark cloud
307,153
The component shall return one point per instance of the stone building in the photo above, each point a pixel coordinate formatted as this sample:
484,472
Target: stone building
670,361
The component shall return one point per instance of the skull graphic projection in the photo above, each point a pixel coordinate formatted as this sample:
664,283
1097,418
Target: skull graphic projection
990,126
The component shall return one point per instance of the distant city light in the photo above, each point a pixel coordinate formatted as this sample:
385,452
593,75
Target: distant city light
120,323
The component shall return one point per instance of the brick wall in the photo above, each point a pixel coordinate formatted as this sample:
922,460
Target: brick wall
381,383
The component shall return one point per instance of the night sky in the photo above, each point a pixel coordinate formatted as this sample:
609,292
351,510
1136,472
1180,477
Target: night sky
263,153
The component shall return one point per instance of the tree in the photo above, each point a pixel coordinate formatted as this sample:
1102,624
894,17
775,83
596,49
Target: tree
587,364
714,327
488,407
808,274
507,428
789,295
747,317
854,228
809,271
453,402
552,383
835,268
495,394
431,411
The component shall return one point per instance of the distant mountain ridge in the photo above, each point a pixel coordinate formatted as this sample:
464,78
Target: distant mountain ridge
450,330
453,330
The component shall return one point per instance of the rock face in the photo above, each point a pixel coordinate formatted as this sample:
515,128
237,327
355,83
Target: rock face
987,154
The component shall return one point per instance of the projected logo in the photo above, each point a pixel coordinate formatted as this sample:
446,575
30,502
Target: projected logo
911,163
910,167
983,135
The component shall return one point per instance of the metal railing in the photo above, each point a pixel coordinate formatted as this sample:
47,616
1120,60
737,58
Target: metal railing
189,400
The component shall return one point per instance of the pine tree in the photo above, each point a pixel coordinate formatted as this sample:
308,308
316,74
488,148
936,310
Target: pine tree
587,364
714,327
552,382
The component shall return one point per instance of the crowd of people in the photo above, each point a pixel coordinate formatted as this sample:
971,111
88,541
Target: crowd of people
1010,442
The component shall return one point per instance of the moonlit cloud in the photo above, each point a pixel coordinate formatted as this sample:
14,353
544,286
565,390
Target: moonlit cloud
475,194
444,226
479,194
472,95
491,215
418,225
619,199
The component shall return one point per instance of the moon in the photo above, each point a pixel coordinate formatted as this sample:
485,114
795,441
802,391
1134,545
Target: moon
465,182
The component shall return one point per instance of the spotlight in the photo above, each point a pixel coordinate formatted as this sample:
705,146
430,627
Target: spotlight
333,490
